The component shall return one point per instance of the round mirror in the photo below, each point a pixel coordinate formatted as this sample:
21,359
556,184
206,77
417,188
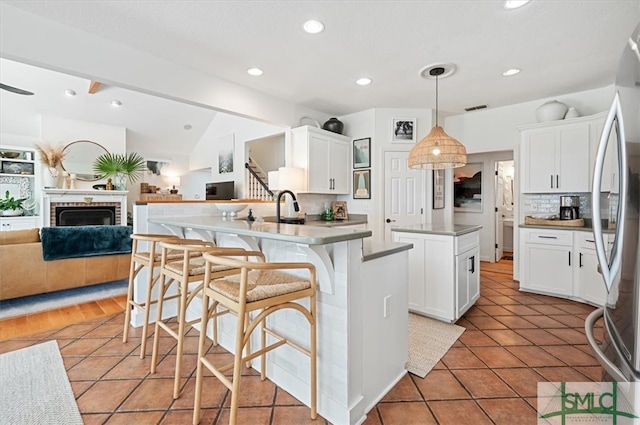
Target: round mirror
79,159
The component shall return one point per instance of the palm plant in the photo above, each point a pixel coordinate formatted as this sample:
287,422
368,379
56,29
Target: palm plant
130,165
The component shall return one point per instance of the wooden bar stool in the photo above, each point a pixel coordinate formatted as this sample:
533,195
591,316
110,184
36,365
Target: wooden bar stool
263,288
187,274
149,258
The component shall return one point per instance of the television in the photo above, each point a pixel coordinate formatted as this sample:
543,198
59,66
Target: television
220,190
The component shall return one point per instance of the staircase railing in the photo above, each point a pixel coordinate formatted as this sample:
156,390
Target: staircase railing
257,188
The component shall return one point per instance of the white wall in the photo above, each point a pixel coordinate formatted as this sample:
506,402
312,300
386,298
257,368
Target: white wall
205,153
496,129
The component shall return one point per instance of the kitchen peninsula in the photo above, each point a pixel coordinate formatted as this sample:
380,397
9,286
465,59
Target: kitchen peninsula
362,314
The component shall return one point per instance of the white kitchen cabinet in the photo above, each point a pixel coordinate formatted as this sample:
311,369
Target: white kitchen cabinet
444,275
591,288
18,223
325,156
562,263
547,261
555,158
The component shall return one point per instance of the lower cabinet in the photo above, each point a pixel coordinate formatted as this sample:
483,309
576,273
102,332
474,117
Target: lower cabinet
444,273
18,223
561,263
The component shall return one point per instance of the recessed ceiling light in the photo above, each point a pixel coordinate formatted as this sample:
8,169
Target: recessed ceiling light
256,72
70,92
187,127
116,103
313,27
514,4
510,72
364,81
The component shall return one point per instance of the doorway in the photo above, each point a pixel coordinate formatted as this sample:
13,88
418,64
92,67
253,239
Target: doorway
504,205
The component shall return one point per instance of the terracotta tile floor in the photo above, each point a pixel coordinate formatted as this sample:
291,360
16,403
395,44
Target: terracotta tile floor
512,341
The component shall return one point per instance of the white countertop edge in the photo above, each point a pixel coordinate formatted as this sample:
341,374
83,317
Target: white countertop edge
434,229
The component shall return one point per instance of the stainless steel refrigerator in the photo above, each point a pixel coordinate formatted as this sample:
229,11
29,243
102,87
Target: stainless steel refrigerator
616,224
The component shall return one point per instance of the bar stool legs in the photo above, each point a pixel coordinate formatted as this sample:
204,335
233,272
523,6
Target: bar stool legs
139,260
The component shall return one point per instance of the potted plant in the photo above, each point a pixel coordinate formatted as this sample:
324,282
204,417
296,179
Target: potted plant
10,206
119,167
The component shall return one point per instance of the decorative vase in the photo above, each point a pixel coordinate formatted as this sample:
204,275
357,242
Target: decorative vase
551,111
120,181
50,178
572,113
334,125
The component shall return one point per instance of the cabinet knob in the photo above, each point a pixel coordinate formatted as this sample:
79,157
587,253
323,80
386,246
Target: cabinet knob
390,221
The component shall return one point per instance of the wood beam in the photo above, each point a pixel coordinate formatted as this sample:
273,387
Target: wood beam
93,87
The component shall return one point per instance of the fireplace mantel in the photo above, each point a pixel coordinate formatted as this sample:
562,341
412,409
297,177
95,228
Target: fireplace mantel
85,197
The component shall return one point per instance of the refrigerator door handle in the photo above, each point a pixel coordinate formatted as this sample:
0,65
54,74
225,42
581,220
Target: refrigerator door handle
609,270
604,361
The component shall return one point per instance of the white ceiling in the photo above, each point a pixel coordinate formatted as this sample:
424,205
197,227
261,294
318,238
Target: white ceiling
561,47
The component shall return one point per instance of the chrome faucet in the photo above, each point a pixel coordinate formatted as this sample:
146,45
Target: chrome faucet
295,203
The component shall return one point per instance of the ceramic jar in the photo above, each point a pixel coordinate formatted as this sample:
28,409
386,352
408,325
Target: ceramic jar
334,125
551,111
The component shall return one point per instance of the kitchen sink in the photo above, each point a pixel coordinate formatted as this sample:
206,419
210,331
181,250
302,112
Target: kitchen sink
286,220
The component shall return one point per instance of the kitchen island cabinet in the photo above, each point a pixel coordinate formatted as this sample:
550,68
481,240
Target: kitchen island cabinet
444,269
362,318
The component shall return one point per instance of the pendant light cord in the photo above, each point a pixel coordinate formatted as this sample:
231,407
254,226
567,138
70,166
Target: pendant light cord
436,100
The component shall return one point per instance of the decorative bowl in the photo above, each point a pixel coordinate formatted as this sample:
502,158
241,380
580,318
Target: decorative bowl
9,154
551,111
231,208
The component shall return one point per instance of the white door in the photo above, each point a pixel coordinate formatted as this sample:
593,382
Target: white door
403,192
499,211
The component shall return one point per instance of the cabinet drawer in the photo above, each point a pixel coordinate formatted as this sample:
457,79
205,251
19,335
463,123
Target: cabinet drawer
586,240
466,242
549,237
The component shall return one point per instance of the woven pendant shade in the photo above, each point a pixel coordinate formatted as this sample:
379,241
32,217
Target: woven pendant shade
438,150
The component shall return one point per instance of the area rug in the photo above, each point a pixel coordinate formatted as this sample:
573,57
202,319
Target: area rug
38,303
429,340
35,389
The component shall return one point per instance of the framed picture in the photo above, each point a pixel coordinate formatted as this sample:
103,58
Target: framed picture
438,189
14,167
225,153
155,166
362,153
403,130
339,210
362,184
467,188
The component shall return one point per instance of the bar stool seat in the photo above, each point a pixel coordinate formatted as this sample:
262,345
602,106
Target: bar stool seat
263,289
187,275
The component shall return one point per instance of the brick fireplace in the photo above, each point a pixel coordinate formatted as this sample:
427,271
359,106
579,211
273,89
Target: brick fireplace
84,207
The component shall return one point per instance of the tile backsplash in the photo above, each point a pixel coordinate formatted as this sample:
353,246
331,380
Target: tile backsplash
549,203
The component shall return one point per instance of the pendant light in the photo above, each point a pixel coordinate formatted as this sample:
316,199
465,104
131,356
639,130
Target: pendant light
437,150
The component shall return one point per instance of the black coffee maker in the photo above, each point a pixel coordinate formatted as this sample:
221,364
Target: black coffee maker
569,207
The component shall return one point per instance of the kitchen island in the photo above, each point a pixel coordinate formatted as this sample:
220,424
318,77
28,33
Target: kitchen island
361,301
444,268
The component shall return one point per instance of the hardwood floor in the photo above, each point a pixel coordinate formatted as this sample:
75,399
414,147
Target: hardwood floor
20,326
503,266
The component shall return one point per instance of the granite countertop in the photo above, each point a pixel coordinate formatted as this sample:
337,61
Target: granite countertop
438,229
305,234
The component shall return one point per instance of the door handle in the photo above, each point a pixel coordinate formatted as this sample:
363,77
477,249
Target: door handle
580,262
473,264
551,181
390,221
557,182
569,258
548,237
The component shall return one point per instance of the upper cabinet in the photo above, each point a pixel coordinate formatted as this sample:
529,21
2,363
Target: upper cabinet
325,156
557,156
